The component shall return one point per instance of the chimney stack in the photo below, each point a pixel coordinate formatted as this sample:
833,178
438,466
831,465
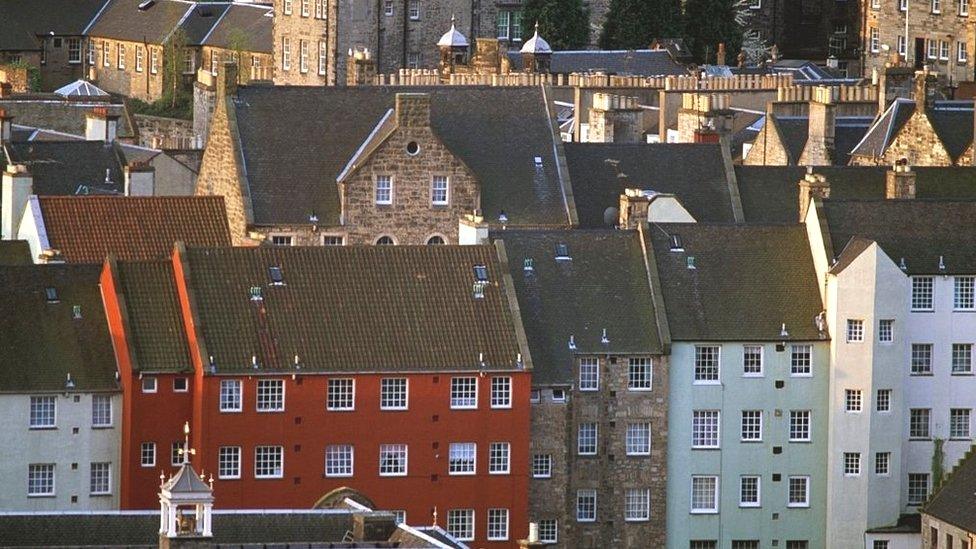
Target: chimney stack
819,150
140,179
616,119
925,83
533,539
6,89
705,118
900,182
17,186
720,54
812,186
6,126
360,68
227,80
413,110
100,125
634,204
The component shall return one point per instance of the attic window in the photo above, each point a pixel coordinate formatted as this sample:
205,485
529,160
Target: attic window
562,252
256,293
277,279
413,148
51,294
676,245
691,262
76,312
481,273
143,6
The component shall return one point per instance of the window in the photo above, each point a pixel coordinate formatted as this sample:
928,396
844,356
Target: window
703,544
799,492
886,330
271,395
332,240
213,62
962,297
707,364
342,394
705,433
800,360
269,461
855,331
189,62
751,426
745,544
303,56
880,544
148,385
229,462
959,423
438,190
100,478
101,411
586,439
499,457
414,10
503,25
852,400
498,524
413,60
799,425
460,524
883,401
147,454
559,395
121,56
852,464
541,466
875,42
535,395
901,45
585,505
639,374
749,491
180,385
286,50
918,488
40,479
797,544
74,51
388,8
638,439
323,57
943,50
153,60
287,7
92,56
43,412
962,52
936,6
339,460
704,494
963,11
637,504
176,454
464,392
318,9
752,360
399,516
230,395
393,393
922,291
306,8
384,189
875,4
882,463
501,392
902,5
589,374
921,359
962,358
281,240
385,240
393,460
918,423
105,55
548,531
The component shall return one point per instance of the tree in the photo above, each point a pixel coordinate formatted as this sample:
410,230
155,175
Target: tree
565,24
709,23
634,24
756,49
239,42
174,61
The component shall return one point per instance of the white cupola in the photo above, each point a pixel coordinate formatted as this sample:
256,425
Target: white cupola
453,38
185,500
536,44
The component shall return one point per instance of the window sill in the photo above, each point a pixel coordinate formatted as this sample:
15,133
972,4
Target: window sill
707,383
340,409
925,374
499,473
350,475
229,478
51,428
638,454
919,439
963,374
801,375
750,440
231,411
960,439
382,409
101,495
705,512
268,478
807,441
540,477
753,376
509,407
639,390
798,506
634,520
712,448
101,427
42,495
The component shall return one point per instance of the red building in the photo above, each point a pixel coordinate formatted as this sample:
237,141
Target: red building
400,373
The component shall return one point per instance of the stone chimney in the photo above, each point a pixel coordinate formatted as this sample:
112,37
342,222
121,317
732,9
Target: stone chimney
705,118
900,182
924,90
894,81
360,68
100,125
6,126
819,150
17,186
368,527
140,179
634,204
720,54
616,119
227,80
812,186
413,110
533,539
6,89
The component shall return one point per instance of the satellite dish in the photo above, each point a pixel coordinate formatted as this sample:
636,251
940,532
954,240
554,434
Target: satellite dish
610,216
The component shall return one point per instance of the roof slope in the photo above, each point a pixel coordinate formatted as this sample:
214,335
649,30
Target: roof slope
951,120
956,498
623,62
15,252
123,20
24,20
86,229
694,172
69,167
156,330
370,308
296,141
604,286
920,231
247,21
41,342
746,282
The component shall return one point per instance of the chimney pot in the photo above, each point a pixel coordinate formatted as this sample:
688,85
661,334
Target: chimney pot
900,182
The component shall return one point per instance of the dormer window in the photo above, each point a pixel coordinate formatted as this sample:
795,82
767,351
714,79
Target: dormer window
676,244
562,252
256,293
528,265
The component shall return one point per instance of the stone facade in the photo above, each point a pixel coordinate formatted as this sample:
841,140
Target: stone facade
768,149
305,42
165,133
251,66
549,497
63,61
936,532
117,67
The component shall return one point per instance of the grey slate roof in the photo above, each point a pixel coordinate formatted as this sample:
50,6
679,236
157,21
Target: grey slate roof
848,132
245,20
604,286
747,282
951,120
24,20
296,141
186,481
955,500
693,172
41,342
920,231
69,167
123,20
623,62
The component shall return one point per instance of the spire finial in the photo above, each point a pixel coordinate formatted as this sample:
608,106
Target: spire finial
186,451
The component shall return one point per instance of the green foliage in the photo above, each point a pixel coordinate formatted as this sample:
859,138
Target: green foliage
33,74
634,24
709,23
165,106
938,468
565,24
174,58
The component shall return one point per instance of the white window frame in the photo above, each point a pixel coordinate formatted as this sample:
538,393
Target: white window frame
74,51
394,393
383,190
120,59
396,452
708,369
265,400
462,459
542,466
340,460
153,60
38,417
589,374
789,492
964,293
149,385
341,394
755,436
497,524
306,8
855,330
414,10
749,354
499,458
303,55
100,472
287,7
638,439
801,357
882,402
106,55
962,52
637,505
460,524
587,445
945,49
852,464
703,434
286,49
640,374
323,58
186,385
917,501
147,449
922,412
267,452
464,393
101,411
885,459
227,400
886,330
388,9
501,392
713,508
34,471
874,40
435,190
963,8
936,6
750,504
923,294
953,433
809,425
921,359
962,359
229,462
585,499
547,527
853,401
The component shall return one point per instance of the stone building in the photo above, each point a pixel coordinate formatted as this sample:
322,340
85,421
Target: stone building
599,387
305,42
945,517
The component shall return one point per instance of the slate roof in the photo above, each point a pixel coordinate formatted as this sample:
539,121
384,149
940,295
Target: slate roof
604,286
955,500
246,20
155,328
921,231
70,167
747,282
770,194
86,229
951,120
794,132
41,342
24,20
296,141
186,481
123,20
693,172
623,62
327,310
15,252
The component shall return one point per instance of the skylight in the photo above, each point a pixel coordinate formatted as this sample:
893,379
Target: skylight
562,252
277,279
51,294
481,273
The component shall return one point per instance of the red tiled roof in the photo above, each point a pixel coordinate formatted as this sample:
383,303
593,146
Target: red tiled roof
85,229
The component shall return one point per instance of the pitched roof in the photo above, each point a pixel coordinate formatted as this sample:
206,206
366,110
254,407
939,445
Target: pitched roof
249,22
40,340
623,62
86,229
604,286
155,328
747,281
24,20
70,167
124,20
327,309
955,500
694,172
186,481
951,120
794,133
80,88
56,113
920,231
15,252
296,141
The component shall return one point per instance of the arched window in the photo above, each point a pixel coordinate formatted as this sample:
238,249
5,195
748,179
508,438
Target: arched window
385,241
436,239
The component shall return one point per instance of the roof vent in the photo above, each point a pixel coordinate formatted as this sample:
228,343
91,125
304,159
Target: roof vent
502,218
481,273
143,6
942,266
478,290
528,265
603,338
676,245
256,293
538,161
572,342
902,265
298,363
51,294
69,383
254,362
277,279
213,365
313,218
691,262
562,252
783,332
76,312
